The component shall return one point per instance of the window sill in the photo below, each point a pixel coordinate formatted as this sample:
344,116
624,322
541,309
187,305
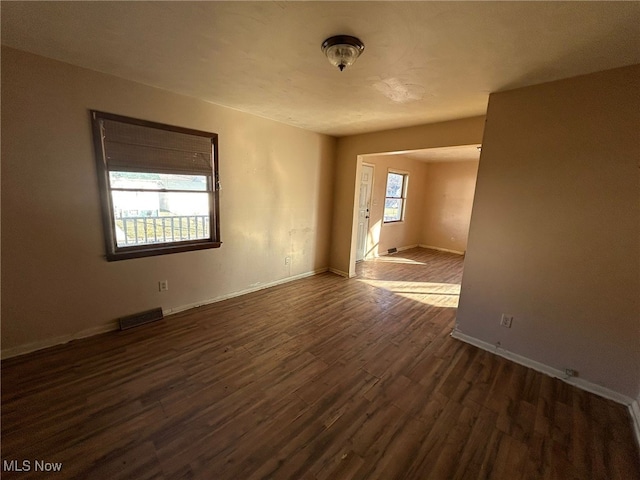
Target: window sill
154,250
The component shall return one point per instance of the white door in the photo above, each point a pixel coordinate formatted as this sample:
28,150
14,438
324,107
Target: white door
364,204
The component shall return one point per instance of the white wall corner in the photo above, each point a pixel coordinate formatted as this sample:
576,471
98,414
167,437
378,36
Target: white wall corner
546,369
339,272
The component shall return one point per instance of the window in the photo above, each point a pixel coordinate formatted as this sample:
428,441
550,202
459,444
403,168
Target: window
395,197
158,186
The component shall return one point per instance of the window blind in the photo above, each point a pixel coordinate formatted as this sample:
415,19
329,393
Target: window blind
130,147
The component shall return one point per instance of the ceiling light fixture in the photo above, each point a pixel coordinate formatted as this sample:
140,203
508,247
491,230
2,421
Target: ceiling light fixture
342,50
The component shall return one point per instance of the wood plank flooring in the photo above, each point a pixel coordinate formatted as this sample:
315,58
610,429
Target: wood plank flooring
321,378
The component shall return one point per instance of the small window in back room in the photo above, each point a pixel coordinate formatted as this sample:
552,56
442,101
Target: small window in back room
158,186
395,197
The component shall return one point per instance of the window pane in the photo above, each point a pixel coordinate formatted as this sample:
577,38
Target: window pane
392,210
394,185
143,218
157,181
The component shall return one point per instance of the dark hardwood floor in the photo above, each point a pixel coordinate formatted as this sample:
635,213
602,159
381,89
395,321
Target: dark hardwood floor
321,378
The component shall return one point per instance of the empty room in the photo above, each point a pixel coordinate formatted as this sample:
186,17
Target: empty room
320,240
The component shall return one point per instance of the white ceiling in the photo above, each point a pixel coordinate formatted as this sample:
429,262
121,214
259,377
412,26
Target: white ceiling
423,61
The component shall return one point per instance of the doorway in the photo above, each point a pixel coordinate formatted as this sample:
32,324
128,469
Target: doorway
440,199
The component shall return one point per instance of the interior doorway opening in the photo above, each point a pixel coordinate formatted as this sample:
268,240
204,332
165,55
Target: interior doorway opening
437,207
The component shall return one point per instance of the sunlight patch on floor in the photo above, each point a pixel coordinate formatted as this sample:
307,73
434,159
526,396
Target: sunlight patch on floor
429,293
389,259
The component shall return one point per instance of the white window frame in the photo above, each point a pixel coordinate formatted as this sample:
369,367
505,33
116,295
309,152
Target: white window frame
402,197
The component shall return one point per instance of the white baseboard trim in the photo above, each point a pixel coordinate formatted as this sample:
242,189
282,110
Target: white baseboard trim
441,249
634,408
399,249
254,288
114,325
546,369
59,340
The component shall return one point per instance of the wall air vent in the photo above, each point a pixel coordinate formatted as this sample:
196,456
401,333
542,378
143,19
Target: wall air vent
141,318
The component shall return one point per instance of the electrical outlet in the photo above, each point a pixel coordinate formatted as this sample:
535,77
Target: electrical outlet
570,372
287,260
505,320
163,285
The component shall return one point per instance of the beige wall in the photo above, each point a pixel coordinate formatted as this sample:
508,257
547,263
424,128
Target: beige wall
466,131
554,237
383,236
276,201
448,198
